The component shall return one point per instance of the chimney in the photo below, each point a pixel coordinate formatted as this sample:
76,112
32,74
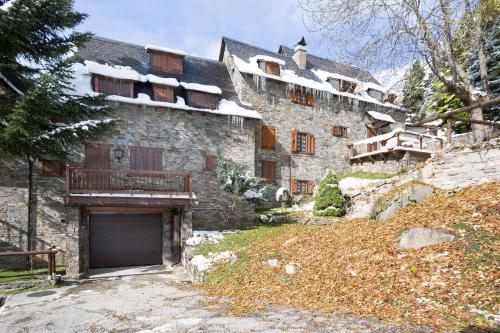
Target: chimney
300,54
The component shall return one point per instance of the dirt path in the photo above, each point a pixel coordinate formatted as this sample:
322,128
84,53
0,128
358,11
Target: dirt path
153,304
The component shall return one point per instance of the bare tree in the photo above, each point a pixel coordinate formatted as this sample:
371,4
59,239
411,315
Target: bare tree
383,33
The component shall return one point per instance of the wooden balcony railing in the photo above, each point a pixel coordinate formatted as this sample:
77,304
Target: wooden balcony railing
82,180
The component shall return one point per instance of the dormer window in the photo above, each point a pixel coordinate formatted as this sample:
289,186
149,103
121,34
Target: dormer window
202,100
269,67
112,86
301,96
163,93
347,86
335,83
377,94
389,98
165,62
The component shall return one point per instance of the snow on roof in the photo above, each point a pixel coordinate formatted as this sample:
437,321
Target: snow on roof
379,138
291,77
82,86
7,5
264,57
202,87
324,76
381,116
127,73
164,49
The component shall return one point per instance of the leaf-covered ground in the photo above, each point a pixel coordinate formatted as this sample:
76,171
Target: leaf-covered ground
356,266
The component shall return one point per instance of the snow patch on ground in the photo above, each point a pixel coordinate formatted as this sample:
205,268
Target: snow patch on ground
251,194
202,263
208,236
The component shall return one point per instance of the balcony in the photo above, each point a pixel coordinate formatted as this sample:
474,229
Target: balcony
127,187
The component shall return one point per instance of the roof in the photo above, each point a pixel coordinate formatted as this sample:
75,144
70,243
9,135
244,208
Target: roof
245,51
195,70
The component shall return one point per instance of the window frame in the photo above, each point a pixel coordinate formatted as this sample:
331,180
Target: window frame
337,131
307,185
299,95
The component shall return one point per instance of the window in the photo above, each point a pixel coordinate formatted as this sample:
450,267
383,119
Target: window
389,98
375,94
268,137
111,86
165,62
163,93
302,143
340,131
146,158
53,169
302,186
269,171
301,96
335,83
272,68
347,86
202,100
210,162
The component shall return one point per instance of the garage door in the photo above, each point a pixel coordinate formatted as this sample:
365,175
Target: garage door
125,240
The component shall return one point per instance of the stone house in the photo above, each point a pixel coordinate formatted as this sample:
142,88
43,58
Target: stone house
132,197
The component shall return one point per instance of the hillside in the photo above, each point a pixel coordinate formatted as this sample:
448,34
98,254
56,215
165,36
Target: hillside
356,266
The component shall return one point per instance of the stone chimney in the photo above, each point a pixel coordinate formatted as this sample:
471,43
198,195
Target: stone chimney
300,54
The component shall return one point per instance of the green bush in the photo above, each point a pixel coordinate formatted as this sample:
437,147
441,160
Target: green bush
329,198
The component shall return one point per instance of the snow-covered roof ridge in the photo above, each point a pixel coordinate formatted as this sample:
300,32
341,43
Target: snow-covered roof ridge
164,49
381,116
202,87
127,73
264,57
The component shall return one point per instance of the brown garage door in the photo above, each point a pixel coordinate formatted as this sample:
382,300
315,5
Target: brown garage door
125,240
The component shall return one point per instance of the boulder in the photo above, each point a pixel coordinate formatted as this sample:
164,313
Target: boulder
273,262
291,268
416,238
386,207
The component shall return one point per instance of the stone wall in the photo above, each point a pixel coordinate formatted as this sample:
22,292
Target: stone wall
13,224
271,99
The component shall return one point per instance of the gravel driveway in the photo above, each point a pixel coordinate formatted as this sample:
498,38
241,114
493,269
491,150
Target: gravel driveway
152,303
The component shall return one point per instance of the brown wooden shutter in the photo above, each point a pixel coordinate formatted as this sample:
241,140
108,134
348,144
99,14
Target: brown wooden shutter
210,162
272,68
53,169
97,156
293,185
268,137
310,144
146,158
310,99
294,141
269,171
335,130
163,93
310,187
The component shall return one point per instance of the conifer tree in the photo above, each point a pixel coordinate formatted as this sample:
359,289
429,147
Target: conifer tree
36,39
414,91
329,200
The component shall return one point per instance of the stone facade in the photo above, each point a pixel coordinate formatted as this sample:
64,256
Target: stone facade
271,98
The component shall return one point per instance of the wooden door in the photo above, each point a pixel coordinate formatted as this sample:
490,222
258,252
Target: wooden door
371,146
97,156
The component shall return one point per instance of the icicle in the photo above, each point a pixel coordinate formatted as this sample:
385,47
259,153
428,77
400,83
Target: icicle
356,104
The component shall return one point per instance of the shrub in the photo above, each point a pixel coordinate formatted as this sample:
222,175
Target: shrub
329,198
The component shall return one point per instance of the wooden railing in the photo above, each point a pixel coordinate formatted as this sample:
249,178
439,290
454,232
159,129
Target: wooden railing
83,180
51,262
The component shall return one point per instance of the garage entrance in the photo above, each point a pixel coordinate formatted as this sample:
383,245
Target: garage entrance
125,239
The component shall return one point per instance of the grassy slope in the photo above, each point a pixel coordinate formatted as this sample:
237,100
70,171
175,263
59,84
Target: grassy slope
356,266
368,175
25,274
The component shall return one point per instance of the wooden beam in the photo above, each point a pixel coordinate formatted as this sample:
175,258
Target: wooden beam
474,121
446,115
448,131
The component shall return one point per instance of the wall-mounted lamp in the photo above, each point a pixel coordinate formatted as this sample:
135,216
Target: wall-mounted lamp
118,152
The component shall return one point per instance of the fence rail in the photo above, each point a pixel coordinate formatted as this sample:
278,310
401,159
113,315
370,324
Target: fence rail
84,180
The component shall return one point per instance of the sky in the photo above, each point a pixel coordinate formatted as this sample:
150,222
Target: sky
196,26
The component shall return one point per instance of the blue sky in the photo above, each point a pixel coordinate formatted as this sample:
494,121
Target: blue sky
196,26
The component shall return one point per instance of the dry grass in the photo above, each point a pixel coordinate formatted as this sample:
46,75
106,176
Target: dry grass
356,266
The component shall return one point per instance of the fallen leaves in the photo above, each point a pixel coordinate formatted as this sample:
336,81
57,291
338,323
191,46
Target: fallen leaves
356,266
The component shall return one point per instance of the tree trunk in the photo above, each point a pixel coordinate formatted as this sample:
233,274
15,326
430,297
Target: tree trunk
478,130
30,200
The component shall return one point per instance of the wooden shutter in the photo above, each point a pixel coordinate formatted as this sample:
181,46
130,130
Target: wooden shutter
210,162
112,86
272,68
97,156
310,187
202,100
163,93
310,144
53,169
268,137
294,141
269,171
166,62
293,185
146,158
336,130
293,96
310,99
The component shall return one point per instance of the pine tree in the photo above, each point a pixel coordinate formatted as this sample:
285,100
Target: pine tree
414,91
234,179
40,125
329,200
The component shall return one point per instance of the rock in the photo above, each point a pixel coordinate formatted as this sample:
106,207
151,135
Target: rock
273,262
416,238
264,219
384,207
291,268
